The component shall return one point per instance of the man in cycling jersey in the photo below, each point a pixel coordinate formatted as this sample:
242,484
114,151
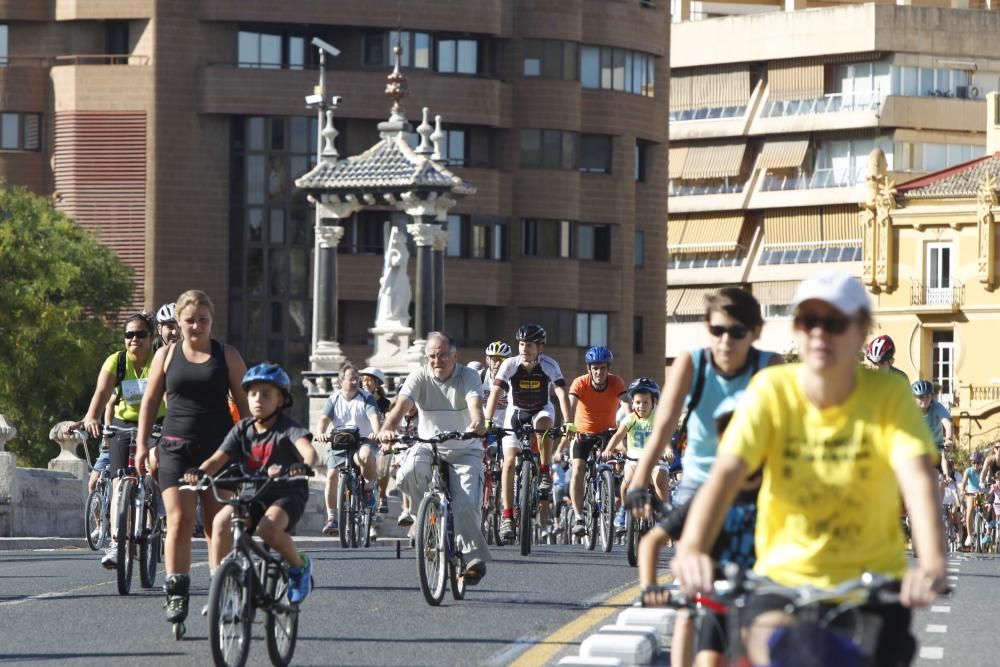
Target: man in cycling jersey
938,419
447,397
881,352
594,399
527,378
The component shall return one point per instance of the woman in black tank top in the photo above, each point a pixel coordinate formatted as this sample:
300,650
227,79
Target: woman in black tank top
196,375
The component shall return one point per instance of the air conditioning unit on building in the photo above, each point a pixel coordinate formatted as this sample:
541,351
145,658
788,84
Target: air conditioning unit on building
649,4
962,92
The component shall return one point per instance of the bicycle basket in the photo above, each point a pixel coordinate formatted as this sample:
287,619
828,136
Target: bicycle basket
345,439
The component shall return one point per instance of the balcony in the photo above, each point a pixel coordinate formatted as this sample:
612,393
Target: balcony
19,10
936,299
77,10
933,113
832,103
819,178
88,82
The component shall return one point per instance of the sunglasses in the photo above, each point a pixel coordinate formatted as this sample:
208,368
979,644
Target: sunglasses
832,324
129,335
736,332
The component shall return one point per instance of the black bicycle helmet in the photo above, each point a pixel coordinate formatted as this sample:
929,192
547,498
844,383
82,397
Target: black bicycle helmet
531,333
643,384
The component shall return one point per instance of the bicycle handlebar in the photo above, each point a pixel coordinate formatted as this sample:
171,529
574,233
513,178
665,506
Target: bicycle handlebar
406,440
209,482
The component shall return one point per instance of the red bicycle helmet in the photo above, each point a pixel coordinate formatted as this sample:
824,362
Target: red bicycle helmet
880,349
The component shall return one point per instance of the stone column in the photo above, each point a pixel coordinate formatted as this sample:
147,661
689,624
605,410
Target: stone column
8,479
424,234
440,243
326,353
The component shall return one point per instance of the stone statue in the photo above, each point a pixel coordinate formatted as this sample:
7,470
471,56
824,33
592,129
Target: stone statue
394,286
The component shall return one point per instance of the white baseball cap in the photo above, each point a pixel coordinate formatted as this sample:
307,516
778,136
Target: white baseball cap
375,373
842,291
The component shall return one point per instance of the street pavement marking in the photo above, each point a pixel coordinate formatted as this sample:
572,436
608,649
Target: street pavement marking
953,570
941,609
931,652
535,651
59,594
937,629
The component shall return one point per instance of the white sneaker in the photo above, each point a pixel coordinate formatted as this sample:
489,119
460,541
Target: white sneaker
110,559
968,541
405,519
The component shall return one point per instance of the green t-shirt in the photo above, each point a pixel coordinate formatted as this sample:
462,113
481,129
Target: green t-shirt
132,387
639,430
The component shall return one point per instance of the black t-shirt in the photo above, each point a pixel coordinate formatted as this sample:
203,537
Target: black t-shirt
256,452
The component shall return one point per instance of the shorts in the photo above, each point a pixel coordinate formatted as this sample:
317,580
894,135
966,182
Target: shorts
293,504
176,455
336,458
894,646
584,443
711,633
118,447
102,462
509,441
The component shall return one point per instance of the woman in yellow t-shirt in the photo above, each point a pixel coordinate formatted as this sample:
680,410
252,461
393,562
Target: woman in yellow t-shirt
838,444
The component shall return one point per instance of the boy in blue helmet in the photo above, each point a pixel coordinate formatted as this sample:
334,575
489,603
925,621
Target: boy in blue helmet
273,443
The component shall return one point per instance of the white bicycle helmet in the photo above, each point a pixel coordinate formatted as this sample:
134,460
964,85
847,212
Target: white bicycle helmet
166,314
375,373
498,348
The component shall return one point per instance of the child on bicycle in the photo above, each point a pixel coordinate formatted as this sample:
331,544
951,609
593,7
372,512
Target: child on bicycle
271,442
636,428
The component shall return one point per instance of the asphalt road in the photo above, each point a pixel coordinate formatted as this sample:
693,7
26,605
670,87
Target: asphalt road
367,609
61,607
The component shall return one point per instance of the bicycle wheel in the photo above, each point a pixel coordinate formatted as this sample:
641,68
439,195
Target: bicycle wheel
977,532
92,519
281,627
456,578
631,538
487,508
366,526
590,514
607,507
525,531
497,508
343,501
431,562
149,544
126,530
354,512
229,614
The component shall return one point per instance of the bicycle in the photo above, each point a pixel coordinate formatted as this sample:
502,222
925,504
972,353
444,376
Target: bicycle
97,507
526,494
437,553
140,527
354,514
249,578
599,493
492,494
635,530
834,627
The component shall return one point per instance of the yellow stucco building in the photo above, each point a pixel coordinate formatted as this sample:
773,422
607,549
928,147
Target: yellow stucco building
929,258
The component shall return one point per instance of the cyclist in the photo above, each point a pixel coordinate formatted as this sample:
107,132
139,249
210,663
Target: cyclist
526,379
496,353
373,381
881,352
989,473
447,397
832,438
593,402
351,407
272,443
636,428
166,325
938,419
971,487
121,383
196,374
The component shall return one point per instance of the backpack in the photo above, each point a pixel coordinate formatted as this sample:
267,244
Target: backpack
699,386
120,375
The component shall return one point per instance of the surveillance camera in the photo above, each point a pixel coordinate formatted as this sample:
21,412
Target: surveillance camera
329,48
336,100
313,100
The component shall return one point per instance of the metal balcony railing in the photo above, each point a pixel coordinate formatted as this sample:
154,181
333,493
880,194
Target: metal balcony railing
101,59
923,295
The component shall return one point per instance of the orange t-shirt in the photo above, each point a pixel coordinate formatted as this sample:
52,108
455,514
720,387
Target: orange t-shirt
596,410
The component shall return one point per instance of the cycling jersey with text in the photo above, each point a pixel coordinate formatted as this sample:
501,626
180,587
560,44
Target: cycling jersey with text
529,390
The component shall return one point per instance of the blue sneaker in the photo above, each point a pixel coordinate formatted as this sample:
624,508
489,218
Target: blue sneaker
300,581
620,518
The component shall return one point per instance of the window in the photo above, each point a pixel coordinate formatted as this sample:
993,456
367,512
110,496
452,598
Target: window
938,274
559,324
929,82
116,41
477,237
548,149
20,131
259,50
454,149
593,242
454,228
607,68
591,329
943,365
416,49
909,156
550,59
457,56
640,248
641,160
595,153
637,342
365,233
565,239
472,325
4,44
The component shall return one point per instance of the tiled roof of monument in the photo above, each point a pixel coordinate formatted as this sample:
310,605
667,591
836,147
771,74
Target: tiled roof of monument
958,182
388,165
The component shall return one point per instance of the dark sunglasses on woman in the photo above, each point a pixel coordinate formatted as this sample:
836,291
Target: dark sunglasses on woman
831,324
736,332
129,335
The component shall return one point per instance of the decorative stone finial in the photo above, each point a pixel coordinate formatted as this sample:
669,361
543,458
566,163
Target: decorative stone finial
425,131
329,133
437,138
397,88
7,432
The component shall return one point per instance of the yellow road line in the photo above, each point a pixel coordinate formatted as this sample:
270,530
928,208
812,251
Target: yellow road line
545,649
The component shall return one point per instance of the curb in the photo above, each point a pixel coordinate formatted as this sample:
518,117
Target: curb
29,543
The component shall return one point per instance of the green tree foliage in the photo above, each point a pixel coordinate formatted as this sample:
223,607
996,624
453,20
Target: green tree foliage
60,293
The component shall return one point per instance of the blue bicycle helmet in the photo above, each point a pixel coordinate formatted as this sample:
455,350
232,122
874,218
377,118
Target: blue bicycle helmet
643,384
598,355
270,373
922,388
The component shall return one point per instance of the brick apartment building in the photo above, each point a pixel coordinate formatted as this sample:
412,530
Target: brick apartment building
175,129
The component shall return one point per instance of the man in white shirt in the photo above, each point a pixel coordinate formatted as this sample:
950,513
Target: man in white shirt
447,397
348,408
